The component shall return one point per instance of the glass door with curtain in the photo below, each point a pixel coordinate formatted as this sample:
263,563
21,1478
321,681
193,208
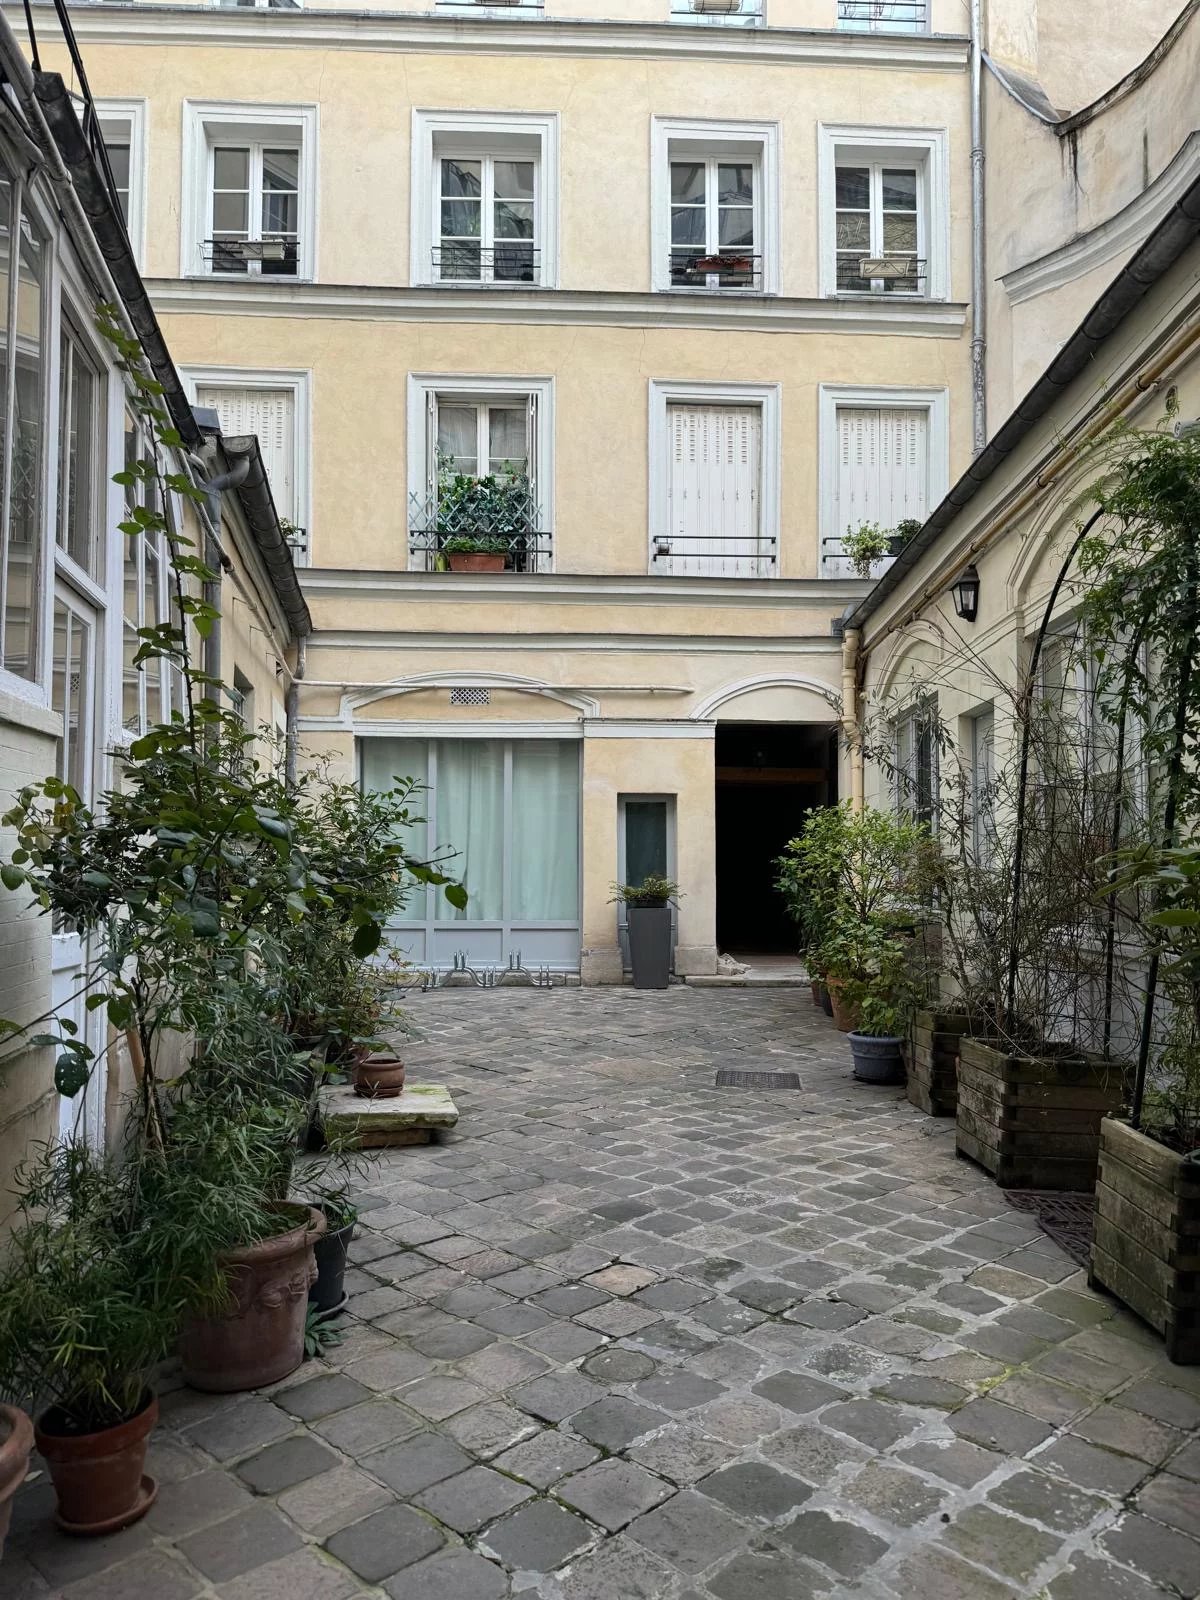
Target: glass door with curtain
508,810
76,699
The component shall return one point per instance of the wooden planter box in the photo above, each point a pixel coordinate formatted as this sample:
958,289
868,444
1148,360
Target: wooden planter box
1146,1243
933,1061
1034,1122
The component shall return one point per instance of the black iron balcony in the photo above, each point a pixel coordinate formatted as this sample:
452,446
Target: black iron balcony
536,6
721,269
438,533
277,256
883,274
884,16
736,13
463,261
714,555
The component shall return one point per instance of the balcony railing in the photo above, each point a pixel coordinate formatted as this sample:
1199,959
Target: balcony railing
731,13
714,555
882,274
277,257
462,261
536,6
431,526
725,269
884,16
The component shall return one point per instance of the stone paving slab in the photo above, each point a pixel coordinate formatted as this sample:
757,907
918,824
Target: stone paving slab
622,1335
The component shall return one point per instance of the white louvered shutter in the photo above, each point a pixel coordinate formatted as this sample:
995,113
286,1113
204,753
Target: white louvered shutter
882,473
269,415
714,491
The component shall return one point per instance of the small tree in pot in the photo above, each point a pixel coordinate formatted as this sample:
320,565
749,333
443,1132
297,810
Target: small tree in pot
648,910
882,992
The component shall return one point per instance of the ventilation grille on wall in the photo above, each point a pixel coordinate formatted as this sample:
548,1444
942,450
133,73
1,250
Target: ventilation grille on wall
470,697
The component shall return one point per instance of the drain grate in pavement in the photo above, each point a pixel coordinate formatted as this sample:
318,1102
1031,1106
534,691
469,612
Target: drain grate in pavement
736,1078
1066,1217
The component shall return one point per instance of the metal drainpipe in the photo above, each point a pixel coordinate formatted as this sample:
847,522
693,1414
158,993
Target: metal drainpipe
851,732
292,712
978,243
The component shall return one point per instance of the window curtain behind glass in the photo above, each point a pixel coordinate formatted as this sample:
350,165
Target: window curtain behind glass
545,831
385,763
470,820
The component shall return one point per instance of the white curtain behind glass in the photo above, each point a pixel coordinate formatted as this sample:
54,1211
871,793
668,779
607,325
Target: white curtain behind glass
470,820
545,832
385,762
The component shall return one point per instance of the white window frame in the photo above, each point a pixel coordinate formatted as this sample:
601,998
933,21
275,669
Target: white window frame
125,120
529,135
920,713
206,123
299,382
674,138
831,398
477,388
664,394
924,148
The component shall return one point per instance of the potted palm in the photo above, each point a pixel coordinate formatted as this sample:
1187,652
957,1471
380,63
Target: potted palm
648,912
81,1330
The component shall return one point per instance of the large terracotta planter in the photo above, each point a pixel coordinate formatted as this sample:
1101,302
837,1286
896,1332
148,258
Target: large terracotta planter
16,1442
260,1338
1146,1239
98,1477
933,1061
845,1016
379,1077
476,560
1033,1122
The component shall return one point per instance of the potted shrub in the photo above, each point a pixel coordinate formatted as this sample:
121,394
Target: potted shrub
81,1331
869,543
885,1006
648,910
327,1296
16,1443
470,553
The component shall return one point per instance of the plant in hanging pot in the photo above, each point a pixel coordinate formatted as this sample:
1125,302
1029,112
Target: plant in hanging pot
82,1329
649,915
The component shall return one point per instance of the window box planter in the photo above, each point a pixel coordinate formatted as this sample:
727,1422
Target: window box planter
1146,1240
1033,1122
475,560
933,1061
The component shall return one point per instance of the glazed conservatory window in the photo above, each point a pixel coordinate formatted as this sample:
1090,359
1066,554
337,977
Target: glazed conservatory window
81,455
487,211
22,391
879,226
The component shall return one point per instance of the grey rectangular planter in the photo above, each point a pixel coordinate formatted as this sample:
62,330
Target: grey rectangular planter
650,946
1146,1238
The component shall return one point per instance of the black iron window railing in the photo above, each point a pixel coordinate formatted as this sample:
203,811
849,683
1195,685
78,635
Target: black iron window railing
883,274
437,532
723,269
277,257
728,555
464,261
884,16
490,5
740,13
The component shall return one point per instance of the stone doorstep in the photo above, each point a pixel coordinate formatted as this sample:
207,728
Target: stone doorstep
410,1117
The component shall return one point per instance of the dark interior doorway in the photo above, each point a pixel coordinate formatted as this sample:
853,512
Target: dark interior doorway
768,776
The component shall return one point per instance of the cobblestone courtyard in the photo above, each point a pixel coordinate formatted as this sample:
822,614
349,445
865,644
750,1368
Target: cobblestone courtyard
627,1336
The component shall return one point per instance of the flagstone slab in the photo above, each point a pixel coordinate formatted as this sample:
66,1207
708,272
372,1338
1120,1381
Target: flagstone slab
411,1117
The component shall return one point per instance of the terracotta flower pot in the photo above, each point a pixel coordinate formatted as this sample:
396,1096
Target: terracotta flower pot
260,1338
98,1477
16,1442
476,560
845,1015
379,1077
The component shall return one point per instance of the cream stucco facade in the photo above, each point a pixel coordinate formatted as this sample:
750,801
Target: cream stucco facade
778,400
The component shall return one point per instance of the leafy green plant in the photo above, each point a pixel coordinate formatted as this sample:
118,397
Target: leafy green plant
475,544
652,891
80,1326
489,512
320,1334
869,543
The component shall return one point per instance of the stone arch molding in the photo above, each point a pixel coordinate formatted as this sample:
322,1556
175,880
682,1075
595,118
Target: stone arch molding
707,709
355,701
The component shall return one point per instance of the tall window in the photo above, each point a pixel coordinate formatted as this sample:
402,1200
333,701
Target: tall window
123,126
879,229
71,694
255,209
269,414
119,160
715,233
22,393
916,764
146,688
487,217
882,473
714,492
983,785
81,478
